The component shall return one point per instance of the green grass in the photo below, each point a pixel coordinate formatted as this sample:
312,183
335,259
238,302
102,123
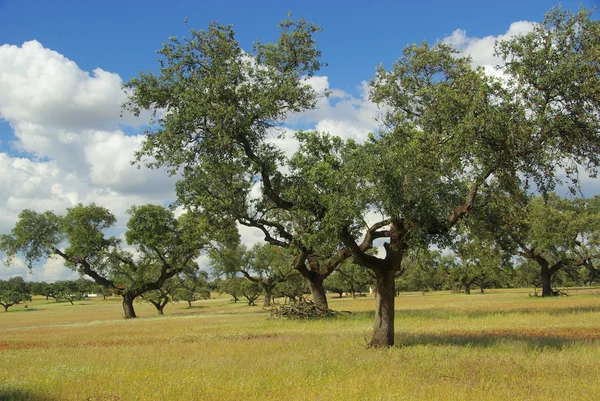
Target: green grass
502,345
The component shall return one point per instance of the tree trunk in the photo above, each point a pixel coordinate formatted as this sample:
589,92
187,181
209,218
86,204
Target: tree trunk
6,308
190,304
546,282
315,285
383,333
268,294
159,306
481,289
128,306
468,288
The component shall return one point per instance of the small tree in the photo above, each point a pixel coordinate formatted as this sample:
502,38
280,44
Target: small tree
231,286
13,291
164,245
68,290
291,289
192,285
251,291
42,288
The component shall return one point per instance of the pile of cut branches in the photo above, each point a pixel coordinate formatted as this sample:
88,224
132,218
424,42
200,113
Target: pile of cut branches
300,310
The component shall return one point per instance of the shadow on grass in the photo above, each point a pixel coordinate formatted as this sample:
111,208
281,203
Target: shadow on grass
447,314
21,310
10,394
532,340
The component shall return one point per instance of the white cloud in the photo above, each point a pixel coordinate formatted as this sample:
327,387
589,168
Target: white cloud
67,120
41,86
481,50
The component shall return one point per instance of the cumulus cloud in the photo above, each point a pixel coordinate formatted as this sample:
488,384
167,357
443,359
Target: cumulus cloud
481,50
67,121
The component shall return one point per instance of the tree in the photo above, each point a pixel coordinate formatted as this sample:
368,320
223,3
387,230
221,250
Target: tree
192,285
479,262
250,290
555,233
335,283
68,290
164,245
264,264
453,135
223,107
349,278
13,291
232,286
160,297
421,270
291,289
42,288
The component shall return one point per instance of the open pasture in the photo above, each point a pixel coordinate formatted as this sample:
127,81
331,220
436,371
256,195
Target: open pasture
502,345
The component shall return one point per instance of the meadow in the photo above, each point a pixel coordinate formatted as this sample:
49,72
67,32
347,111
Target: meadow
502,345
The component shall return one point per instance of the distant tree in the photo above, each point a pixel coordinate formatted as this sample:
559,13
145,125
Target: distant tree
160,297
421,270
68,290
335,283
42,288
232,286
555,233
479,261
13,291
291,289
349,278
192,285
250,290
164,245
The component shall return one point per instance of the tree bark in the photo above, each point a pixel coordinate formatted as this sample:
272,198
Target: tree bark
268,294
315,285
6,308
160,306
468,288
546,282
189,304
383,333
128,306
481,289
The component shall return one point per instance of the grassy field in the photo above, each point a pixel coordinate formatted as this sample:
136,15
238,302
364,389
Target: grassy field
502,345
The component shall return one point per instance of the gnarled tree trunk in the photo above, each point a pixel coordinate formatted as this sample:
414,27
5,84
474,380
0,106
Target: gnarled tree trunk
315,285
268,293
383,333
128,306
546,282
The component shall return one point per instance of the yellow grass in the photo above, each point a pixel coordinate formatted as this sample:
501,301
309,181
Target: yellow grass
502,345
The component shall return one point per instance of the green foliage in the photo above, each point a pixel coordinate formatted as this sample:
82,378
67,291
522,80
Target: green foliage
553,73
350,278
232,286
291,289
164,245
35,235
13,291
424,270
191,285
250,290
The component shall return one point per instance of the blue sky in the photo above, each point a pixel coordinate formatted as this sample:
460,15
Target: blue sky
122,36
62,64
